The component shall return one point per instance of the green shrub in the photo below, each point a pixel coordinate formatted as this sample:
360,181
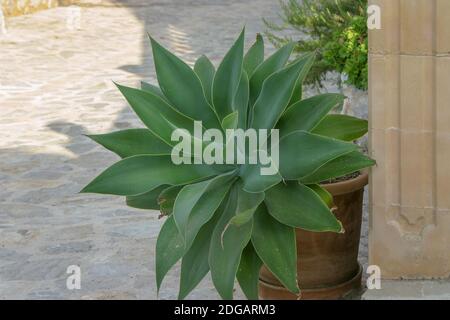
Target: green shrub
335,29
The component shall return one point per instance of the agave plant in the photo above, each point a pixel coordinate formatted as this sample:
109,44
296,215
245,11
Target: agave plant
229,219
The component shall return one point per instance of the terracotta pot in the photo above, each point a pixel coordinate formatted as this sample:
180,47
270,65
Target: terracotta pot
327,264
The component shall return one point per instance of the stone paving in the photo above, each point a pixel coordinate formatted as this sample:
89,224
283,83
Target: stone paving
55,86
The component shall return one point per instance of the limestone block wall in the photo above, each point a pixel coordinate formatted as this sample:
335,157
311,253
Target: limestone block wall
409,115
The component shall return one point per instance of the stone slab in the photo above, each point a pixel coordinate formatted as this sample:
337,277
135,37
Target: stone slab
410,290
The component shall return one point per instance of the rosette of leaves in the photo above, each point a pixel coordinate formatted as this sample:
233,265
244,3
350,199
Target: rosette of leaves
222,218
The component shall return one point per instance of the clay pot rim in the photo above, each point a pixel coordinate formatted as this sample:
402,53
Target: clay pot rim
341,289
348,186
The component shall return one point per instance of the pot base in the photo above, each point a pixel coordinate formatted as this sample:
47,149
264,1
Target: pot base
274,292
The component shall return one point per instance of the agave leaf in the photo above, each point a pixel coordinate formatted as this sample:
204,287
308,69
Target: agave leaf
271,65
326,197
241,101
298,206
148,200
342,127
202,211
297,94
313,150
182,87
166,199
248,272
169,249
227,77
247,203
150,88
227,243
230,121
276,246
339,167
205,71
131,142
254,181
139,174
196,204
298,89
195,265
275,95
159,117
306,114
254,56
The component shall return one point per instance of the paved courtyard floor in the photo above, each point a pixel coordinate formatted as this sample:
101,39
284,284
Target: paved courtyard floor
55,86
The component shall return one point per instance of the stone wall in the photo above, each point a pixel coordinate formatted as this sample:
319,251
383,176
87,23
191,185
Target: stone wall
409,68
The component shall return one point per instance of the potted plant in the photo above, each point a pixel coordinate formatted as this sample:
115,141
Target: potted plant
232,218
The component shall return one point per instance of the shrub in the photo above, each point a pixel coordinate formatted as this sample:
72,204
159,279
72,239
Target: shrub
335,29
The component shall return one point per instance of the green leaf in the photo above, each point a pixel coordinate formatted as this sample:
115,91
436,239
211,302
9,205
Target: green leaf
248,272
148,200
227,244
169,249
166,199
313,150
274,63
196,204
230,121
226,80
298,206
339,167
241,101
306,114
323,193
247,203
342,127
201,212
298,89
254,181
182,87
131,142
297,94
254,56
150,88
205,71
275,95
275,244
139,174
195,265
159,117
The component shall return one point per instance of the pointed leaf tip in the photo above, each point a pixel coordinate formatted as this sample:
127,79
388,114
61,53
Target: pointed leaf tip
182,87
83,190
227,77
